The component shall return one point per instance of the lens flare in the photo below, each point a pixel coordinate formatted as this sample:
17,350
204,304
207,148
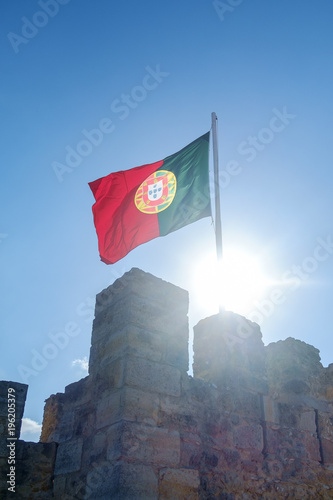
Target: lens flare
236,283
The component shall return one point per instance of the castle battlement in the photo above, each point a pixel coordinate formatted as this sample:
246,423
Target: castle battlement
252,422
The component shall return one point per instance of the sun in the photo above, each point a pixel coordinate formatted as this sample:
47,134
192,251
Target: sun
236,284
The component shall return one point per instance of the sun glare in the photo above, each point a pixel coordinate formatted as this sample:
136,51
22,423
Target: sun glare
237,283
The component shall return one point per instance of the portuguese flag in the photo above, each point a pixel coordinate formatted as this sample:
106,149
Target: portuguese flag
134,206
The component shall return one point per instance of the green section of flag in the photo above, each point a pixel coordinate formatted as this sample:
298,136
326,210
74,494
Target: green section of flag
192,199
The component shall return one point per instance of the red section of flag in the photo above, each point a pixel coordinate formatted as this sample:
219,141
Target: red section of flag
120,226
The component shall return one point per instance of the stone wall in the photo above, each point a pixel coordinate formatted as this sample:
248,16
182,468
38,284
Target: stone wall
12,401
276,403
253,422
26,469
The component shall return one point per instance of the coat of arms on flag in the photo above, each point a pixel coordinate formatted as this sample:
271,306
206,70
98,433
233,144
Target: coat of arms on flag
157,192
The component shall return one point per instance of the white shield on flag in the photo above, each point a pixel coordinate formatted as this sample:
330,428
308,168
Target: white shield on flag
155,190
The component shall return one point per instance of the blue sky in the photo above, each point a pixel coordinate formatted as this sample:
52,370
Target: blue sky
67,67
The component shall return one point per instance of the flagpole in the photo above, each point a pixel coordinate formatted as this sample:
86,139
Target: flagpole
218,222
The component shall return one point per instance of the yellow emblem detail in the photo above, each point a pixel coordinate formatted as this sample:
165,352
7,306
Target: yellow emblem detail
156,192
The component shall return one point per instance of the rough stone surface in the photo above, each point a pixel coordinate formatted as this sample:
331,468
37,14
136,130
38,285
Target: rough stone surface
35,466
19,393
254,422
34,469
177,484
143,374
228,351
68,457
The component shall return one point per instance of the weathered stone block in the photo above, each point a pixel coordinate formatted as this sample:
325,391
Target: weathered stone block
190,449
273,440
109,377
247,403
79,392
94,449
3,477
59,411
3,426
153,318
125,302
249,436
66,426
99,444
108,410
123,481
289,416
114,440
143,342
289,444
228,351
150,445
327,451
140,406
178,484
59,487
137,481
34,469
84,420
294,367
75,487
53,411
254,383
102,481
308,421
3,445
325,425
179,412
304,401
237,400
58,425
271,412
218,432
127,403
151,376
295,386
130,340
69,456
312,447
207,459
177,350
17,392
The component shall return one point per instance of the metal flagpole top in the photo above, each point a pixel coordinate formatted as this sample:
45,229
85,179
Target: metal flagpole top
218,222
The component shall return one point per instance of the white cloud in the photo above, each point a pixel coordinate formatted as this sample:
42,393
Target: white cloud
81,363
30,430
